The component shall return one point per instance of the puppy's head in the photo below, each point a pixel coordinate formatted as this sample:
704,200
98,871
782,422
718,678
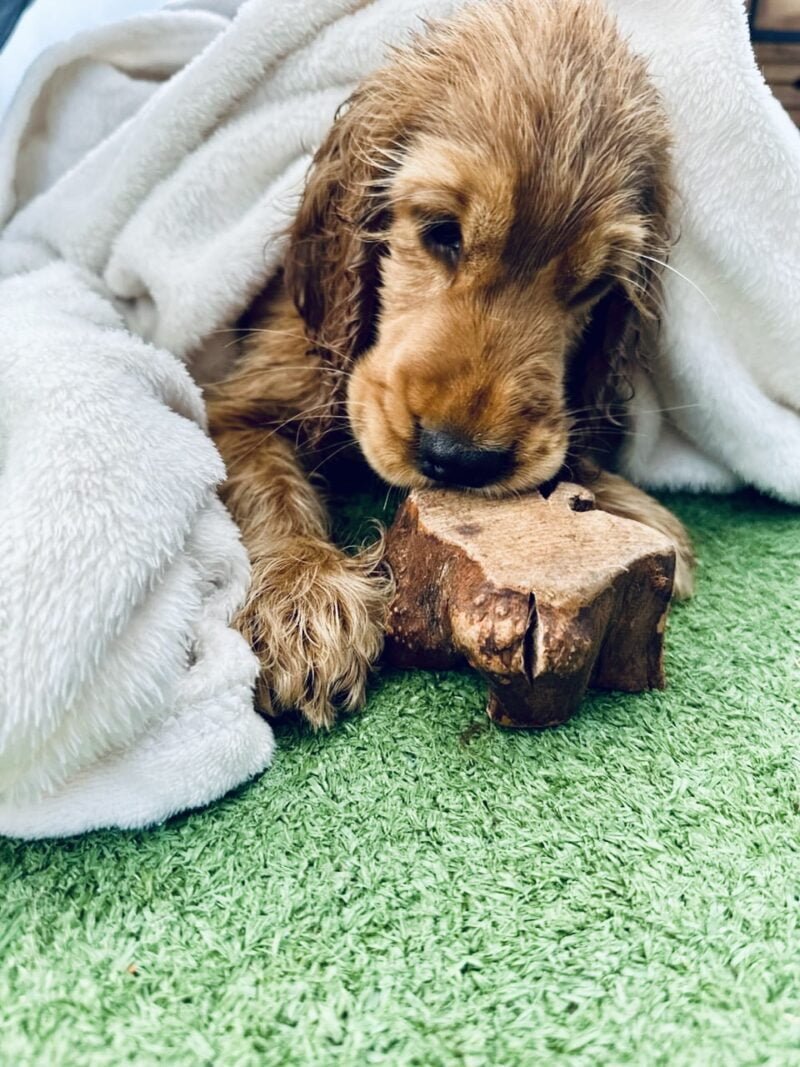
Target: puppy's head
477,242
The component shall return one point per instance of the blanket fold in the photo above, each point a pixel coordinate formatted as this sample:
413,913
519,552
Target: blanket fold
147,171
120,571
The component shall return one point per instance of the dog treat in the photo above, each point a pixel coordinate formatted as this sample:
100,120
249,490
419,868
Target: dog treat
542,596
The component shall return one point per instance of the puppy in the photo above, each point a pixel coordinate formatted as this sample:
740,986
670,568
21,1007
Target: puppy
470,279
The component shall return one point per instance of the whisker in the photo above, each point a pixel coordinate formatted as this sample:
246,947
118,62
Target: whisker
267,435
297,334
292,335
578,413
327,458
667,266
246,373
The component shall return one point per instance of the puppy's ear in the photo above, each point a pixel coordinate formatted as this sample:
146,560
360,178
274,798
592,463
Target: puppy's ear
335,246
598,382
623,331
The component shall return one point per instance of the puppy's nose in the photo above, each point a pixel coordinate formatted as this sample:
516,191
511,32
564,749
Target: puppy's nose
454,460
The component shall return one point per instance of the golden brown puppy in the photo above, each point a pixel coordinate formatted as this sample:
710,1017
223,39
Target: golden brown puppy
470,276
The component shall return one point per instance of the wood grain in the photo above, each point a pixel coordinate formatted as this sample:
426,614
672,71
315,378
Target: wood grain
543,597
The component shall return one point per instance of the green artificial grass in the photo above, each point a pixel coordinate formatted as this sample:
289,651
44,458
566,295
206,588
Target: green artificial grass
420,887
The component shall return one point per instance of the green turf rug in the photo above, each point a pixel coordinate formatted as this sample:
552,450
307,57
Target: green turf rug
419,887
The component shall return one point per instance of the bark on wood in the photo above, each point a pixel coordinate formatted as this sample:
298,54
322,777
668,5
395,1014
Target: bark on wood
543,597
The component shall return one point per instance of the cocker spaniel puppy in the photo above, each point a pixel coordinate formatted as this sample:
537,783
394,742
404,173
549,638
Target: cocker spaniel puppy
470,278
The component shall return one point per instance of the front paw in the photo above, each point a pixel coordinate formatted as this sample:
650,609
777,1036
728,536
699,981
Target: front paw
315,618
685,567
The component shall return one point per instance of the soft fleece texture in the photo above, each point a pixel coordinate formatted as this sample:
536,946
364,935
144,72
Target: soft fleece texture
46,22
145,170
421,889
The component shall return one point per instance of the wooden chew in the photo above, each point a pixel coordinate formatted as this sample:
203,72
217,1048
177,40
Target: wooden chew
543,597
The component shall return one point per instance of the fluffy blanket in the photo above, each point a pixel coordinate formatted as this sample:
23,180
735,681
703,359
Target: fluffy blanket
145,171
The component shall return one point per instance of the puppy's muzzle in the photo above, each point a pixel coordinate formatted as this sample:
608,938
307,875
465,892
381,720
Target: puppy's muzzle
452,460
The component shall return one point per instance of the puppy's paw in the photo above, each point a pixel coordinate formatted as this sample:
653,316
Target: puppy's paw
618,497
685,561
315,617
685,564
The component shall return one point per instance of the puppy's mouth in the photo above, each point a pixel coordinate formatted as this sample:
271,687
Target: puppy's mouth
445,459
411,451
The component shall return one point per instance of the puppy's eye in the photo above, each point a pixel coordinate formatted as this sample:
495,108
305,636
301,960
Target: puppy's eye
442,237
591,292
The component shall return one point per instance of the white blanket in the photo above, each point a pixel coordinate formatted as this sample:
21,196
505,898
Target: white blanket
145,170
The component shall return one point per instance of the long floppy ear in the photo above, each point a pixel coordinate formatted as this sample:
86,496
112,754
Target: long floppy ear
623,330
336,240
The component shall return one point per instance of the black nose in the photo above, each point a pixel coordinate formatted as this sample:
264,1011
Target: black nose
456,461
